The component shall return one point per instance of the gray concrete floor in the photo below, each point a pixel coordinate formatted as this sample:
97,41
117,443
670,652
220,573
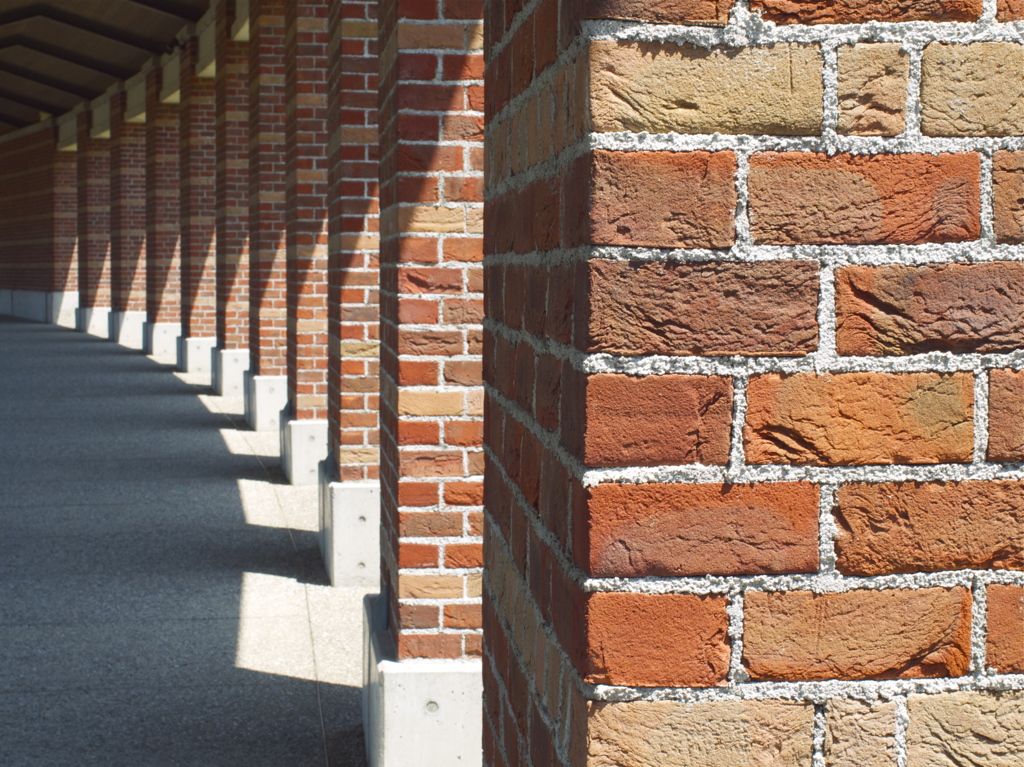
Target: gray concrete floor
162,598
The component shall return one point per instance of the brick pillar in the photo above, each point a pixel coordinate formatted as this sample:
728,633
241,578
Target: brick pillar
65,236
93,229
163,216
232,142
266,388
353,317
198,157
752,333
431,406
127,225
304,433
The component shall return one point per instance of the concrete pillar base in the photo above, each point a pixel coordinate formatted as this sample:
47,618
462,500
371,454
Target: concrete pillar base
228,369
303,447
194,354
55,307
94,320
160,339
350,530
265,398
423,712
126,328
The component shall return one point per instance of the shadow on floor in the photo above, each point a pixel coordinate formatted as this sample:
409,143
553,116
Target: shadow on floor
145,618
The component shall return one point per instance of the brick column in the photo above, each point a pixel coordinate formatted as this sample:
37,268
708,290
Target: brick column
351,544
304,433
198,157
750,349
127,225
163,215
93,229
431,102
65,238
231,359
266,387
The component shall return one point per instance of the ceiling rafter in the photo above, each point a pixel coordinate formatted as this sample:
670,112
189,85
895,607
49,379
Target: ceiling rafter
54,51
64,86
32,103
81,23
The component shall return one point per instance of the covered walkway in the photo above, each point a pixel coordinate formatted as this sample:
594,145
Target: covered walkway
162,599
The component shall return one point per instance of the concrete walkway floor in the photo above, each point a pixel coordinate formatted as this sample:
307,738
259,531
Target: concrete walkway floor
162,598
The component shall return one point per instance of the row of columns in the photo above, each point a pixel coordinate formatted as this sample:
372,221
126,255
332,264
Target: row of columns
228,218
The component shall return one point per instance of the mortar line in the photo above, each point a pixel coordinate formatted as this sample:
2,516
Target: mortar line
900,731
818,758
981,422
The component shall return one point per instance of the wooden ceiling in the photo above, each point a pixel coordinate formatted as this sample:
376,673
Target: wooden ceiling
55,54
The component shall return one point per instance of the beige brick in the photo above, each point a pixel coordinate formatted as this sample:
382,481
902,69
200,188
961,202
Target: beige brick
966,728
873,89
430,403
972,90
860,733
422,218
412,35
429,586
351,28
706,734
688,89
361,455
358,349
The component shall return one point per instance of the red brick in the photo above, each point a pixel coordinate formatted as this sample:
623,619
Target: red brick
687,308
958,308
897,634
812,199
668,419
855,12
909,527
1005,643
632,531
684,640
1006,415
662,199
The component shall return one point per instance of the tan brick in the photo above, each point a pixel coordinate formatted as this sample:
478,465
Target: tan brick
430,586
912,527
902,633
873,89
354,28
956,308
1005,640
860,418
966,728
687,89
413,35
972,90
705,734
429,403
1006,415
430,219
814,199
860,733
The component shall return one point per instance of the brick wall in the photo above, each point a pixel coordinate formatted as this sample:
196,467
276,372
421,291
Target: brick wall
38,214
267,184
127,209
198,157
93,216
306,209
754,388
431,101
232,181
163,212
352,273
